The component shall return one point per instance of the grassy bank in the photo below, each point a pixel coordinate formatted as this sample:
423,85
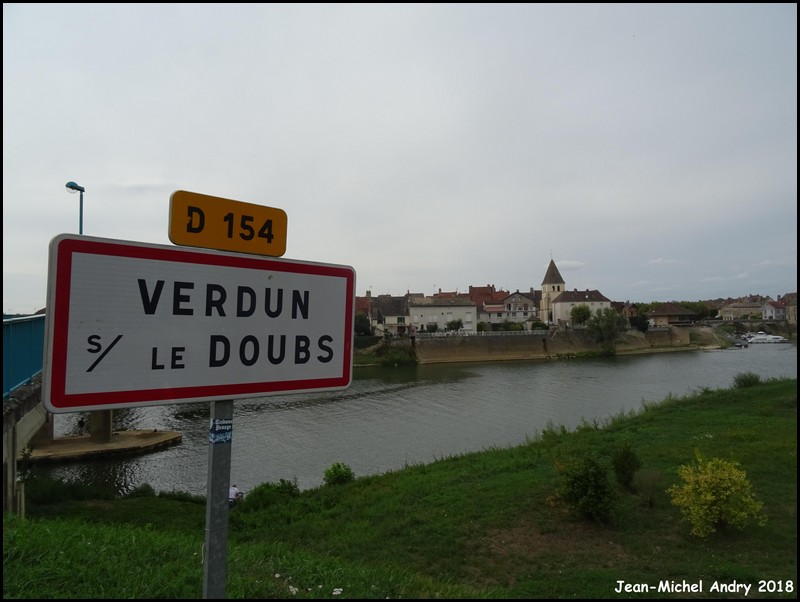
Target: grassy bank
479,525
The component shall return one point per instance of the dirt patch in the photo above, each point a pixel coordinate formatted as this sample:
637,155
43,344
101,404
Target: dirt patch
528,546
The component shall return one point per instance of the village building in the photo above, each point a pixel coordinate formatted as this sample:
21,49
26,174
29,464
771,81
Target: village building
567,300
742,310
773,310
486,308
436,314
671,314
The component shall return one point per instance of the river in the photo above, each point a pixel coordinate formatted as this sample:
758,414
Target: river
392,417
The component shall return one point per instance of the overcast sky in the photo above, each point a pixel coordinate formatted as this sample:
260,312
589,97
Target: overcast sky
650,150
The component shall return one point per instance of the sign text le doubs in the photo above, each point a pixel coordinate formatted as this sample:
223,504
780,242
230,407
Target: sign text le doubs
131,324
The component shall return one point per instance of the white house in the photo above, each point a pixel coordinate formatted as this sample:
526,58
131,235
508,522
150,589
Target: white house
424,311
773,310
562,305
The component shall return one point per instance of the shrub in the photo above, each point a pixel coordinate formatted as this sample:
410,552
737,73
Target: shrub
746,379
143,490
647,482
397,357
41,490
182,496
626,463
267,494
338,474
714,494
587,488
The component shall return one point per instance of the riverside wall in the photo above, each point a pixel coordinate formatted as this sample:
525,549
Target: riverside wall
556,344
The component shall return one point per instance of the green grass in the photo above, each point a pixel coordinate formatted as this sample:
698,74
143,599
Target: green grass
478,525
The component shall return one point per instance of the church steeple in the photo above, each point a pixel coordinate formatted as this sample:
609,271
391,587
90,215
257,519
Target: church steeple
553,276
552,287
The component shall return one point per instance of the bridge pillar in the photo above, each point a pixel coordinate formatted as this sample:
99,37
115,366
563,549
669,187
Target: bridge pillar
101,425
44,436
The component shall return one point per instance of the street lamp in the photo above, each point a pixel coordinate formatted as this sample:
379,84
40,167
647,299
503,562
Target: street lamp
101,423
72,188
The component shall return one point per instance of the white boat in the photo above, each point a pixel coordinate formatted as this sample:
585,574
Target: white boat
763,337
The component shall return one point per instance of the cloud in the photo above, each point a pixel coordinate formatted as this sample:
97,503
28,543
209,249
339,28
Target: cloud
418,143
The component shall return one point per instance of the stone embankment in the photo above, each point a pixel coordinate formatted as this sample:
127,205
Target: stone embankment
558,344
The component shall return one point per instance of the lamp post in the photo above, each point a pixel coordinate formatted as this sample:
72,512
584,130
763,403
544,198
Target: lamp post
100,421
72,188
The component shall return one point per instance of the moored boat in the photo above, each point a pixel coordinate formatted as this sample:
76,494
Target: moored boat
762,337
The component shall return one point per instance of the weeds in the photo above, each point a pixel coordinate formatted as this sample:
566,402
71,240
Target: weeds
472,526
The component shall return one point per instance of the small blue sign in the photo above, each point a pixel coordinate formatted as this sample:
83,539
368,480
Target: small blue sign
221,431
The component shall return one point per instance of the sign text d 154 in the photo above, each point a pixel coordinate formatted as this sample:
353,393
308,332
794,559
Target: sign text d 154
209,222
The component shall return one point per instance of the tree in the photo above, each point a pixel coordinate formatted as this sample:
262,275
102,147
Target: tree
508,325
361,325
701,308
606,326
580,313
639,322
454,324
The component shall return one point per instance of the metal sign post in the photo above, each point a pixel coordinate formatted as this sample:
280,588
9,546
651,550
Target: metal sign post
220,438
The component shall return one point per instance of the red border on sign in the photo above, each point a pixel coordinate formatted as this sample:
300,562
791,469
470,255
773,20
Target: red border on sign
67,247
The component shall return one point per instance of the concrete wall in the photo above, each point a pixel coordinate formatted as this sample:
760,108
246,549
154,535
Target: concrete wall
23,418
482,348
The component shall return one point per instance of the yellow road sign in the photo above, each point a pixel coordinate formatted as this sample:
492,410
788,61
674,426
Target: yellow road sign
209,222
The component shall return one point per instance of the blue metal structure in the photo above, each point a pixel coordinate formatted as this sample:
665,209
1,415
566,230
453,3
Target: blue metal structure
23,351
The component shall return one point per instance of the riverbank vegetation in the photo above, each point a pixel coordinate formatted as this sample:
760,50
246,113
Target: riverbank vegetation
383,351
604,334
502,523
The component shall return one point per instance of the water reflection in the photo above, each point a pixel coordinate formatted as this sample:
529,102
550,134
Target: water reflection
393,417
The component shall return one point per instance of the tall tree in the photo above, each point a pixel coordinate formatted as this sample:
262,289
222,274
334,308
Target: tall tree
361,324
606,326
580,313
640,322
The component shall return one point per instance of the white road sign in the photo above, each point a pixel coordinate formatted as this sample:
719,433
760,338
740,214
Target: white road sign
131,324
